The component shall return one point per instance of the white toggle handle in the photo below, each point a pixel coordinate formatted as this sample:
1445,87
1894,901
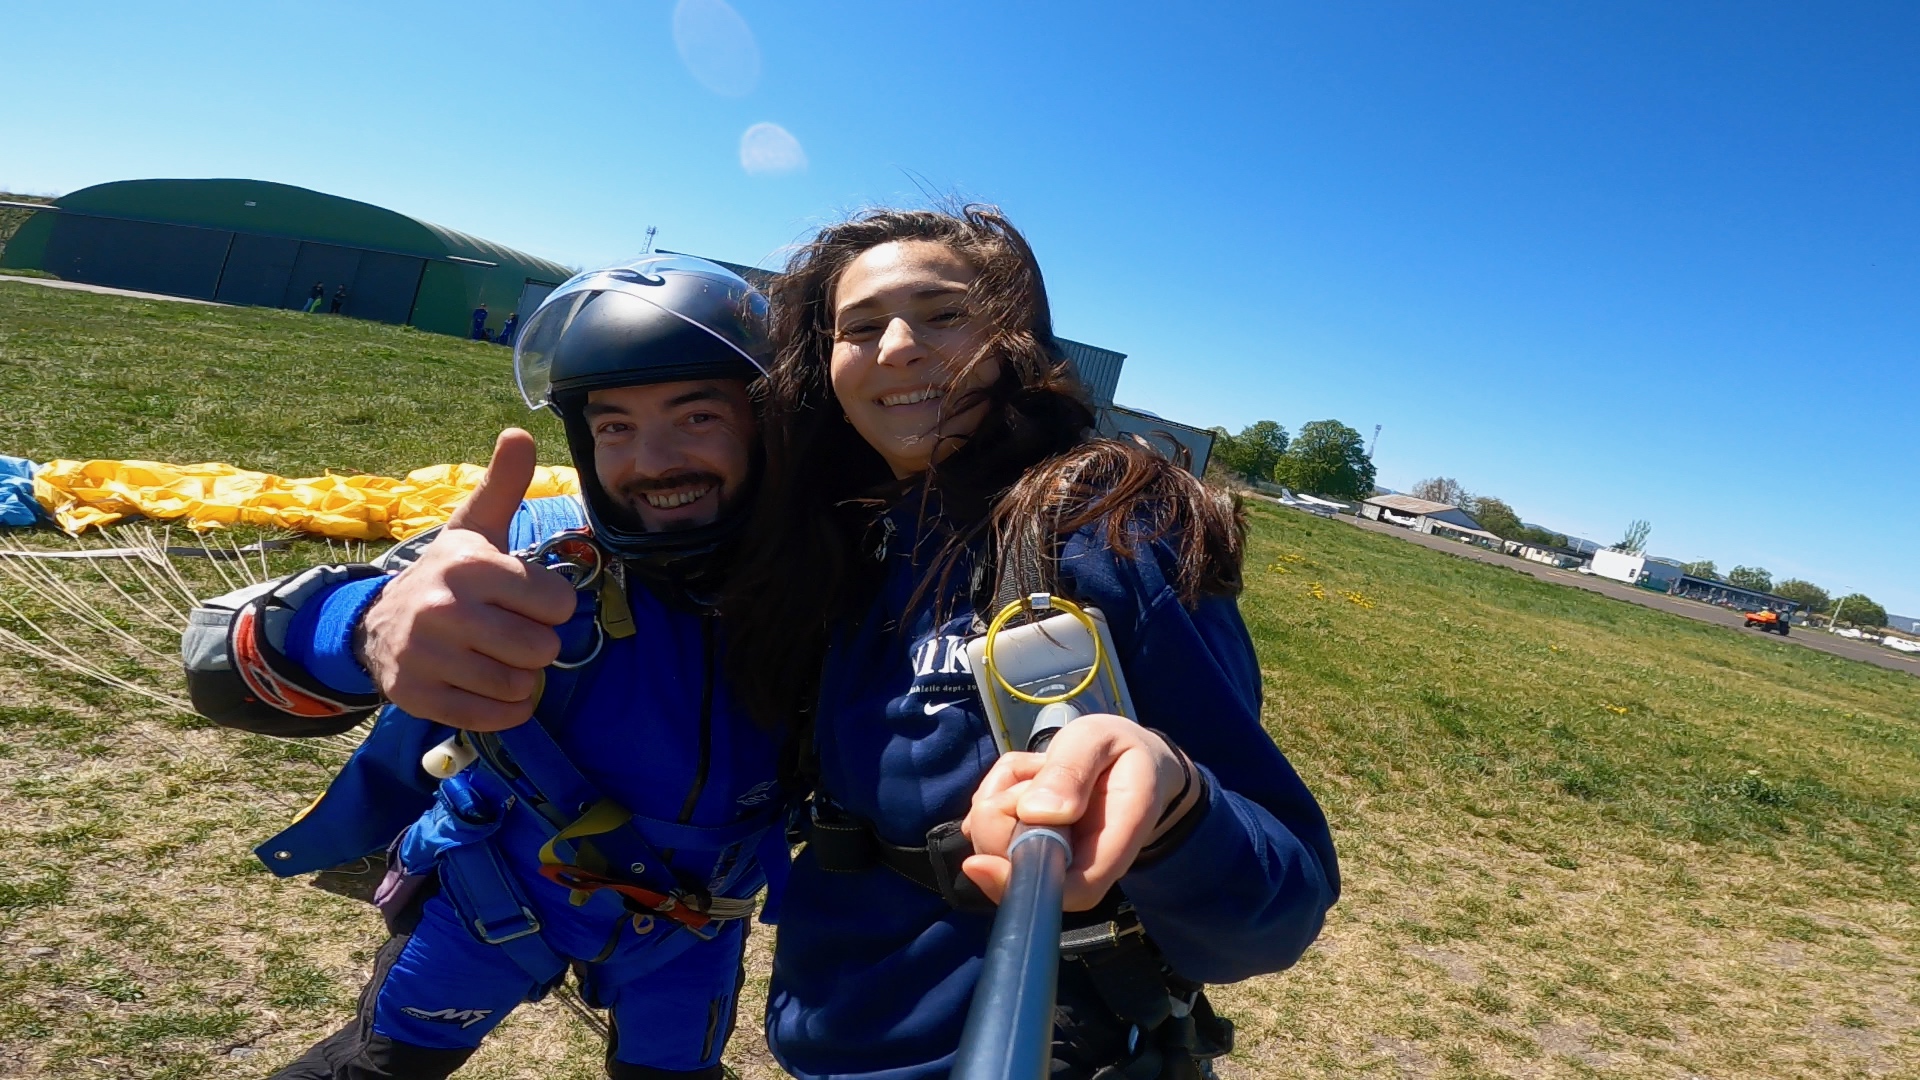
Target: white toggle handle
449,757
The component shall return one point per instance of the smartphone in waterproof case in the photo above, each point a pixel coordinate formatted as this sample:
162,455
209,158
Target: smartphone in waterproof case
1047,659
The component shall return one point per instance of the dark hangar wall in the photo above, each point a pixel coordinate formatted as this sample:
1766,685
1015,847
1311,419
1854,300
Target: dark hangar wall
263,244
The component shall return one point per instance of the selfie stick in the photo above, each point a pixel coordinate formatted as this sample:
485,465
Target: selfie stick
1009,1033
1032,687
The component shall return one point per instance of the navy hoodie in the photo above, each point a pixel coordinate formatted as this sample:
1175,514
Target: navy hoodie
873,974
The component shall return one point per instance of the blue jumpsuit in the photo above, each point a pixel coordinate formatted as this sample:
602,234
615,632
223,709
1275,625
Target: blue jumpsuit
649,725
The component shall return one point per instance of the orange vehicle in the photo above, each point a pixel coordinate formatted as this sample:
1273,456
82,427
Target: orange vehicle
1768,619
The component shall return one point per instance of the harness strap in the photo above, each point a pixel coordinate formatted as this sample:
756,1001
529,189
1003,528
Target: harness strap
692,910
533,753
619,840
616,612
843,843
1026,565
497,912
1075,941
1174,1024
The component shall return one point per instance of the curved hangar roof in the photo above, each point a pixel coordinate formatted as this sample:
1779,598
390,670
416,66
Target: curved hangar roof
261,243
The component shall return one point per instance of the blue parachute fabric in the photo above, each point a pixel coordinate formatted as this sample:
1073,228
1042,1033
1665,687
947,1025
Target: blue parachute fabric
538,519
17,504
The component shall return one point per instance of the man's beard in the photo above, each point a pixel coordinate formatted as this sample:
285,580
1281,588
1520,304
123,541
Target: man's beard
631,496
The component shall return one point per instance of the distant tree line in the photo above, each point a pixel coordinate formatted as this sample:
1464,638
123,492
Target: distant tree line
1854,609
1494,515
1327,458
1498,517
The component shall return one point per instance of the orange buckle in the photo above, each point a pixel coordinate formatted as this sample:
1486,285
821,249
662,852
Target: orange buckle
667,904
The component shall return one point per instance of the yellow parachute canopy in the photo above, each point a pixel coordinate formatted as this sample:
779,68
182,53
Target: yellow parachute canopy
87,494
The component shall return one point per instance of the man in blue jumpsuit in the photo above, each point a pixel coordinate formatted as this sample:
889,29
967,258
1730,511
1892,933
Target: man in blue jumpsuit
608,809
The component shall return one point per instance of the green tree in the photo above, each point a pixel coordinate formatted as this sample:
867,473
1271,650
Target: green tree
1857,609
1635,541
1495,516
1804,592
1253,453
1442,489
1328,458
1701,568
1751,577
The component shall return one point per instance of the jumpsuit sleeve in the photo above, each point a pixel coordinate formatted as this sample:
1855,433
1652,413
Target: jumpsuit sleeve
277,658
1247,889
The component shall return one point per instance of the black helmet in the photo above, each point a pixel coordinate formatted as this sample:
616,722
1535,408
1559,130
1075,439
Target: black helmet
660,318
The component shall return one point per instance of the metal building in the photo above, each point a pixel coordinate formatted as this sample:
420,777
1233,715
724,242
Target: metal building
1427,516
1190,446
264,244
1726,594
1099,370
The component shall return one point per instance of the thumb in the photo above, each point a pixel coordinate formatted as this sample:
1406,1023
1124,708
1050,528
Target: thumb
1058,795
489,510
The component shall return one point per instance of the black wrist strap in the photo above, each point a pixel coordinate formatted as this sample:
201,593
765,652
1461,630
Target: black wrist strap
1186,782
1189,821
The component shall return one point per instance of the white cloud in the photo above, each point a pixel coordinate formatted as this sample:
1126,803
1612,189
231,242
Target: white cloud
767,149
717,46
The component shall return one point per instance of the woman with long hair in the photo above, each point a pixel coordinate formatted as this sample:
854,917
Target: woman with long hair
920,417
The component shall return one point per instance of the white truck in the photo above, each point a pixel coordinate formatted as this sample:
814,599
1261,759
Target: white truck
1618,565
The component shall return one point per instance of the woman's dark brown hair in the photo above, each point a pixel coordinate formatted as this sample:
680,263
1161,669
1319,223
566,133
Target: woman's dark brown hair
1033,457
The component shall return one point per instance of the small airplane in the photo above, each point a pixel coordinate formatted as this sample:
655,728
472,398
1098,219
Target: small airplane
1323,507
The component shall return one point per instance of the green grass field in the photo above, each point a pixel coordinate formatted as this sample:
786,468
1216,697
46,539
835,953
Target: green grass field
1579,837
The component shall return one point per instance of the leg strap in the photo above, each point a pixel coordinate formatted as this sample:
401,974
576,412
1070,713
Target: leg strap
496,911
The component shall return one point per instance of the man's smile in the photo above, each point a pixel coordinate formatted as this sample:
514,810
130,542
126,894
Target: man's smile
668,500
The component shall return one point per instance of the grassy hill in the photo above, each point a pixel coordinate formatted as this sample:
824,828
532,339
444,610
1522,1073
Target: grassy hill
1579,837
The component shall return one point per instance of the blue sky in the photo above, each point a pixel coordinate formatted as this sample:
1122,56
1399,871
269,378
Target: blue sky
1603,261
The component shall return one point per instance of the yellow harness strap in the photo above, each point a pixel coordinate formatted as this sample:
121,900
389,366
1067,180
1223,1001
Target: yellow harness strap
602,817
616,615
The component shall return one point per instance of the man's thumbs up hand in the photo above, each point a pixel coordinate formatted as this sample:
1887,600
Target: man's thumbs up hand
489,510
460,637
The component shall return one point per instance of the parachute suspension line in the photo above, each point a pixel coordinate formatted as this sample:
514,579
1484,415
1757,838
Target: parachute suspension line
145,610
592,1021
153,590
241,567
67,658
159,545
48,585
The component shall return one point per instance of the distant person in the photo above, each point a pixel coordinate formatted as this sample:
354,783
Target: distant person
480,323
339,300
314,297
507,328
